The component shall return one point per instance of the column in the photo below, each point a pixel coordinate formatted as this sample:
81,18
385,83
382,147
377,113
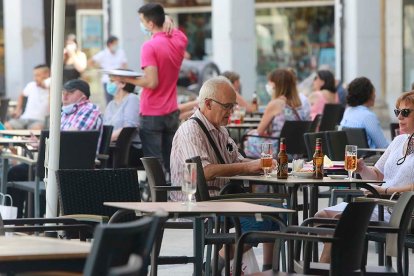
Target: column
24,42
125,25
234,40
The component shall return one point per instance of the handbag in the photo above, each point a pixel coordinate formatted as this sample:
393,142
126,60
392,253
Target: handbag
7,211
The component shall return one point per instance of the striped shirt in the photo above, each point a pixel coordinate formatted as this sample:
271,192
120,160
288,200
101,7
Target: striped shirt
361,117
190,141
85,116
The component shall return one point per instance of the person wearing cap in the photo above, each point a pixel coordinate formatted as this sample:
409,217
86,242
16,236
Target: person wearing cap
111,57
161,59
78,113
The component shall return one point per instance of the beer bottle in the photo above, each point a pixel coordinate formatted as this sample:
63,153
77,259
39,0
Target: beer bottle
282,161
318,160
255,104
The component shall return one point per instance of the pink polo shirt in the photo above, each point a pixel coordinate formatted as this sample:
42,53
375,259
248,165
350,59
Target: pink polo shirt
166,53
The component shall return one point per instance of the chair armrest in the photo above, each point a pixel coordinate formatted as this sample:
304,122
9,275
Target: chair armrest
383,229
88,218
167,188
19,158
311,221
379,201
102,156
310,230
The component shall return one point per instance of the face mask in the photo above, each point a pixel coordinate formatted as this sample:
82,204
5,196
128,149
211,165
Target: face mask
71,47
114,48
111,88
69,109
269,89
144,30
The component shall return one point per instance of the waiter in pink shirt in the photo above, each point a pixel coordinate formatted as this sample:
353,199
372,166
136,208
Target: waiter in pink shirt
161,59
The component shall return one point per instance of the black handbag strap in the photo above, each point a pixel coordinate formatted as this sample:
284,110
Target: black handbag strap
210,139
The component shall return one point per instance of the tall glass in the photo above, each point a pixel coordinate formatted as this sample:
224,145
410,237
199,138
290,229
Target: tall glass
266,158
350,159
189,184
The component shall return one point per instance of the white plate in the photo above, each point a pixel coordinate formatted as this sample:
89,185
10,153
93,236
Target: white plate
303,174
337,176
122,73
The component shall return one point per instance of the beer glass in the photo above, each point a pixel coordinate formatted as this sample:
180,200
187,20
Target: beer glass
266,158
350,159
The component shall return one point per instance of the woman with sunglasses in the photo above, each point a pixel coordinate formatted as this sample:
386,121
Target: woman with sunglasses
395,166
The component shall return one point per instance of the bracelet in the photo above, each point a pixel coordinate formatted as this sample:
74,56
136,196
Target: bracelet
386,190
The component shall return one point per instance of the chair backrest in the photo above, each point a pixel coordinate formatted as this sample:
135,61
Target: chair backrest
315,123
202,193
120,158
85,191
156,177
77,150
293,132
348,252
105,139
310,142
356,136
331,116
393,127
336,142
133,268
114,243
4,107
400,218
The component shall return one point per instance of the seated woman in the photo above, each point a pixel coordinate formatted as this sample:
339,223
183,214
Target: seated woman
324,91
361,96
122,112
395,166
286,105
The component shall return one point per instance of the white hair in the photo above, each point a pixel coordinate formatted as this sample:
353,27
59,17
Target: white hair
210,89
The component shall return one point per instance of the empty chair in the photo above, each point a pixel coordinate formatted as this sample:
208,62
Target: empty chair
103,151
394,127
336,142
120,151
4,107
293,132
331,116
310,142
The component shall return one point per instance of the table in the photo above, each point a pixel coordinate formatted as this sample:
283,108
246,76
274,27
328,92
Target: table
34,253
204,208
252,119
20,132
293,183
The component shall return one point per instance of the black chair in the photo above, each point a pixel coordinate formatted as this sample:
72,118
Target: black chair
103,151
336,142
393,127
77,151
315,123
83,192
331,116
310,142
348,243
114,244
133,268
4,108
120,151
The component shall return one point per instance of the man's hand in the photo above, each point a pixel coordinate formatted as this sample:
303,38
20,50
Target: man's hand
168,25
360,165
255,166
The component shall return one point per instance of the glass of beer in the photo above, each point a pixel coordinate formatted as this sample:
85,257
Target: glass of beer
350,159
266,158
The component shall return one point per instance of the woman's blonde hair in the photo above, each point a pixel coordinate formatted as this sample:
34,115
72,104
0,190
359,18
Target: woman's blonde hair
285,85
407,97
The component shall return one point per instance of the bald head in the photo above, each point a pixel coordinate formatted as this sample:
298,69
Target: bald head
214,88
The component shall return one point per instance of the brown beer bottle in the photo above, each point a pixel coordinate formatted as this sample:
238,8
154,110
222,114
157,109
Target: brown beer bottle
318,160
282,161
255,103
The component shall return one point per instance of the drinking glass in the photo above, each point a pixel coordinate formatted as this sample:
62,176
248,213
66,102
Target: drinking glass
189,185
350,159
266,158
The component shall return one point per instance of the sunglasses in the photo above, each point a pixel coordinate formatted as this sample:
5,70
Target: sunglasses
405,112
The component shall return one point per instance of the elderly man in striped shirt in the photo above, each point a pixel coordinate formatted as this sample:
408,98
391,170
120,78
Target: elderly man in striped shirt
217,99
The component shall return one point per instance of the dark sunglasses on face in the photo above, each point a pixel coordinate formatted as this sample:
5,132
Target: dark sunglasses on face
405,112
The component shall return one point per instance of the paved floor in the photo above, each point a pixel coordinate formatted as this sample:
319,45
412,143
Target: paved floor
179,242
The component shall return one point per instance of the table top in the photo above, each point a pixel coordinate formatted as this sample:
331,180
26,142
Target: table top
4,140
203,207
299,180
20,132
24,248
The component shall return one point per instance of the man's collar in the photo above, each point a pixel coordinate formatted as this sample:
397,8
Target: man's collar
204,119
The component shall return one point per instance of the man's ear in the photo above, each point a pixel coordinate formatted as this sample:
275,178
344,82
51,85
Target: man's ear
207,103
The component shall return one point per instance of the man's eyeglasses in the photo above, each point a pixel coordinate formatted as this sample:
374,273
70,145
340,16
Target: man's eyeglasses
405,112
227,106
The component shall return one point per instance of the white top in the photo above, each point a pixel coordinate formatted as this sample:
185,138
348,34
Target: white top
107,61
37,106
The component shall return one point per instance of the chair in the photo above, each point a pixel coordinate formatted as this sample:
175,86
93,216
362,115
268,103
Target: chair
133,267
120,152
85,191
103,151
336,142
393,127
77,151
114,244
331,116
348,243
4,108
315,123
310,142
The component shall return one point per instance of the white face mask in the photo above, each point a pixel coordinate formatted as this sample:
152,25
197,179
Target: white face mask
69,109
71,47
269,89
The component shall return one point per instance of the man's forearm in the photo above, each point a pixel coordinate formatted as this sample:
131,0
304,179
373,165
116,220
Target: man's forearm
212,171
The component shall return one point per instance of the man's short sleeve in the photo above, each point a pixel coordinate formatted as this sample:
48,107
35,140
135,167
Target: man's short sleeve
28,88
148,57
